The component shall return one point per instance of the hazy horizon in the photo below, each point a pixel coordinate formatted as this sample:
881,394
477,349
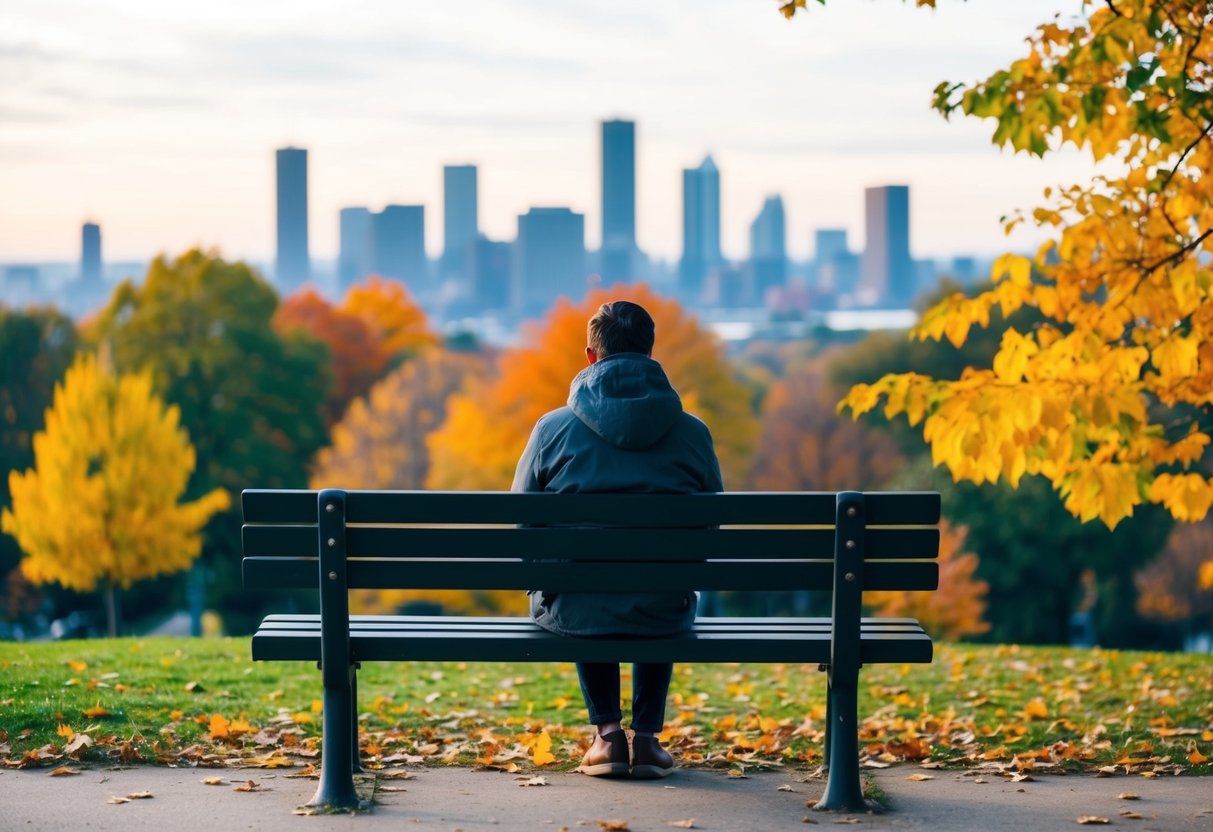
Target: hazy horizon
160,122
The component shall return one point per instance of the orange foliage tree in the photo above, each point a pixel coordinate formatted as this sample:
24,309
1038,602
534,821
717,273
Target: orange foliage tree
486,429
954,610
807,446
380,444
1175,586
376,324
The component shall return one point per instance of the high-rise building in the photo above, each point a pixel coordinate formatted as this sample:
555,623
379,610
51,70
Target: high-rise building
292,264
768,248
835,266
489,267
549,258
886,270
460,217
356,256
399,244
90,254
618,152
700,227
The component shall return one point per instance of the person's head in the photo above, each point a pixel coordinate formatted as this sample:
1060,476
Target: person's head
619,326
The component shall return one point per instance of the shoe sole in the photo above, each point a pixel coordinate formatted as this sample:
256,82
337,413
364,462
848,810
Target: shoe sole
646,772
605,770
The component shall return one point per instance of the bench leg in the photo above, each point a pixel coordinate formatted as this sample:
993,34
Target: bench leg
843,789
825,750
339,748
356,767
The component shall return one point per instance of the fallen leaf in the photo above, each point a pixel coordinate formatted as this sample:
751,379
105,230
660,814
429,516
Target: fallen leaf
737,774
249,786
1131,815
847,820
116,799
79,743
1022,778
1195,757
140,795
77,666
533,781
541,754
979,780
96,712
194,687
213,781
785,788
1129,796
875,764
391,789
919,777
218,726
613,825
689,823
63,771
1085,819
65,731
1036,709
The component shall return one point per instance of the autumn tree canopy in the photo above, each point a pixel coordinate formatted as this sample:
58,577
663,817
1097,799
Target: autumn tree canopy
1109,397
486,429
101,503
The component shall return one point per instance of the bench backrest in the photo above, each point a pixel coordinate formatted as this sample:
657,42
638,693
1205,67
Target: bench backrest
502,540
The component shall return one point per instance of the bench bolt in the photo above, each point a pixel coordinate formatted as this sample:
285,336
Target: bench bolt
852,511
850,576
332,542
330,508
332,576
850,544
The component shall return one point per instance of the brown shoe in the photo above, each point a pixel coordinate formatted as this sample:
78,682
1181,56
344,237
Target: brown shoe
649,759
607,757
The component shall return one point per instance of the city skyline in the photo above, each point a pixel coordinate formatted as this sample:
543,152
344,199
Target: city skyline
816,110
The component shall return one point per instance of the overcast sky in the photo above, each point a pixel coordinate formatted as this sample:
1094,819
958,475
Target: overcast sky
159,118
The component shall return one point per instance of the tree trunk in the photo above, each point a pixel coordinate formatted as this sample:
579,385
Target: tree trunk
111,608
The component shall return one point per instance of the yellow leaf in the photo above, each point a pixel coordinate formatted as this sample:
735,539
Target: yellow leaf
96,712
77,666
1195,757
65,731
63,771
541,752
1036,709
1016,266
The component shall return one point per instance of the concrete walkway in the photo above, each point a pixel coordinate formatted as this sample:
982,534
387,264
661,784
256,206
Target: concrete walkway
452,799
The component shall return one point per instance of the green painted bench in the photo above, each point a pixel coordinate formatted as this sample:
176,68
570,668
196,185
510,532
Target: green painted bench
336,541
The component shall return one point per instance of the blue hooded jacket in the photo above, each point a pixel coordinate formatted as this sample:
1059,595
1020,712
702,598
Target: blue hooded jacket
624,430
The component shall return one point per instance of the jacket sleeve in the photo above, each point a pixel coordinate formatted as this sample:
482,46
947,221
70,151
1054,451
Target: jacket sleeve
526,475
712,480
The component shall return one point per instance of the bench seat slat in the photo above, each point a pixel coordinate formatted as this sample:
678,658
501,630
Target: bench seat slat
588,544
279,619
531,643
665,510
367,573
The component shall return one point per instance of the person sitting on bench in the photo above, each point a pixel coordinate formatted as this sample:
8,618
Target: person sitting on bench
623,430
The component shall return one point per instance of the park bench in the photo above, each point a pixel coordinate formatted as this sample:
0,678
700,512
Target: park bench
341,540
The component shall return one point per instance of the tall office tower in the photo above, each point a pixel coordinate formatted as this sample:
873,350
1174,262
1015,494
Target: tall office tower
399,247
292,264
835,266
549,258
618,199
356,257
489,267
700,228
886,268
90,254
460,217
768,247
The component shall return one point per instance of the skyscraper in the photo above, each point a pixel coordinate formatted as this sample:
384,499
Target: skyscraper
460,217
489,267
836,267
90,254
550,258
886,268
700,227
292,264
356,257
399,247
768,247
618,151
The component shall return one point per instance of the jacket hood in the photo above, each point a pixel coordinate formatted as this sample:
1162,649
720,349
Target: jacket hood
626,399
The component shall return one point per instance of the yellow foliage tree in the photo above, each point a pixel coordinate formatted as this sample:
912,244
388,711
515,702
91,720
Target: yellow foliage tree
954,610
380,444
485,430
386,307
1109,396
101,503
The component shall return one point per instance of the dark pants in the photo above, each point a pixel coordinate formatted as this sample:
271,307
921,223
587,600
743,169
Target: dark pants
650,684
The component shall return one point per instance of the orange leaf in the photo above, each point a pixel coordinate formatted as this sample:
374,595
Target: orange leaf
65,731
219,725
541,753
1036,709
96,712
1195,757
63,771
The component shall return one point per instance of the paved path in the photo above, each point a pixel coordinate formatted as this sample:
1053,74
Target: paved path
462,799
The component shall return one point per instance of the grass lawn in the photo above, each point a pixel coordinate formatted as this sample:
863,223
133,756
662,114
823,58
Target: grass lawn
204,702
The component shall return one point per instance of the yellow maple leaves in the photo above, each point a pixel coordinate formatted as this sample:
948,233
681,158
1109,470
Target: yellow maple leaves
1103,393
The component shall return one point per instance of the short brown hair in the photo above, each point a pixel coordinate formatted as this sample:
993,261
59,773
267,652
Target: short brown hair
620,326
